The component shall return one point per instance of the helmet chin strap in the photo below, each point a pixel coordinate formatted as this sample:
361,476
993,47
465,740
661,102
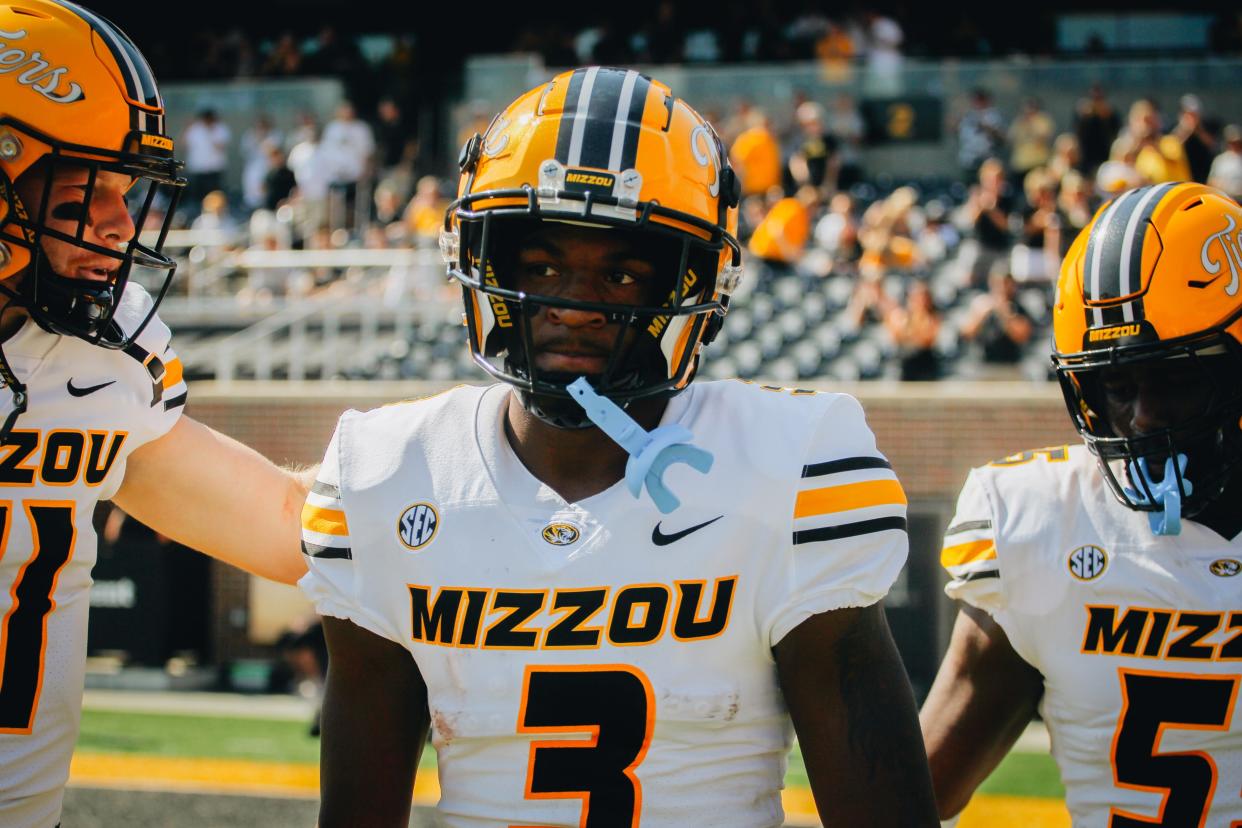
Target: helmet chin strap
1168,519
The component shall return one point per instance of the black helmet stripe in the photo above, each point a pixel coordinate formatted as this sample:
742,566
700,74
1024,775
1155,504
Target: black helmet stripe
602,118
139,80
628,121
573,96
1114,257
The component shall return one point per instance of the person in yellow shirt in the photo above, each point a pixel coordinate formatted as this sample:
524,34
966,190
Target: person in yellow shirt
756,155
782,235
1158,158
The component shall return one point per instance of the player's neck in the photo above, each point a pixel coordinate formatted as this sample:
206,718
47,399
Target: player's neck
1223,515
575,463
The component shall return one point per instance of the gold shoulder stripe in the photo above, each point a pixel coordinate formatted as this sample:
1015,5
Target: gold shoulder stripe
969,552
832,499
172,373
324,521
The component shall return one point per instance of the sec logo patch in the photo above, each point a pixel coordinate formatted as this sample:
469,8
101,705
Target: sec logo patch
560,534
418,524
1086,563
1225,567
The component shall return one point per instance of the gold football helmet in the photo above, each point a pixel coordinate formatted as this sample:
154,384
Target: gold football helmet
77,95
1152,284
607,148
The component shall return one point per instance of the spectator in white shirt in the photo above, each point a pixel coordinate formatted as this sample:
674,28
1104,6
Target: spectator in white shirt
205,145
345,153
980,133
1226,172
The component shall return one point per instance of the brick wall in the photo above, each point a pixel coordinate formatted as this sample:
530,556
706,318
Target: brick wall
933,433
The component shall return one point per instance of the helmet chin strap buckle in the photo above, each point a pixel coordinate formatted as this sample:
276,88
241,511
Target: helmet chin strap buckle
651,452
1168,520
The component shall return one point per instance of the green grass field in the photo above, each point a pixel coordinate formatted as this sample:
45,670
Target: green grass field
267,740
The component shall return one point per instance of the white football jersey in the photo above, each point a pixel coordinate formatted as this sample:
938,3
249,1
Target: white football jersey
1138,637
599,662
89,407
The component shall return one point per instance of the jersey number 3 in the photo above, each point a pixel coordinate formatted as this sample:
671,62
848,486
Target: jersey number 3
24,631
613,704
1151,703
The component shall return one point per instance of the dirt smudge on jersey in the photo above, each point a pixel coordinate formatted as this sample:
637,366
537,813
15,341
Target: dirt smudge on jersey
444,725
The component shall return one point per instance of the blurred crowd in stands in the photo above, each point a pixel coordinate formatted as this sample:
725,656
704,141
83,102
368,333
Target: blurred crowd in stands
944,276
961,266
360,46
870,269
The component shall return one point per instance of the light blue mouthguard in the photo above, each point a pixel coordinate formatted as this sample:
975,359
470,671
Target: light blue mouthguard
1167,521
651,452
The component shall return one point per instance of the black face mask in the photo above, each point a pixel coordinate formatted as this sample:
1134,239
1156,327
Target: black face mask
85,308
1201,450
637,366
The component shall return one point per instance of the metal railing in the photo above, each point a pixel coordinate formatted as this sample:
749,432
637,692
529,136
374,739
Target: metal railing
381,296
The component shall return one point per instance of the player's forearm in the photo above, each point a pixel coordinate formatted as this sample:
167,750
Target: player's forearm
983,697
883,746
857,725
375,724
270,543
211,493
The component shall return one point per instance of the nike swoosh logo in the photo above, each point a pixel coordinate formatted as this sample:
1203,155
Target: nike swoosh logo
661,539
90,389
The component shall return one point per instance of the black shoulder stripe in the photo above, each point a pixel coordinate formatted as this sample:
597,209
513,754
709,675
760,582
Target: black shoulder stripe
176,401
849,530
968,526
845,465
138,352
978,575
326,489
314,550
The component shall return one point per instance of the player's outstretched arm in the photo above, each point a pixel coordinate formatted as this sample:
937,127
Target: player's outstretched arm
983,697
374,724
855,716
211,493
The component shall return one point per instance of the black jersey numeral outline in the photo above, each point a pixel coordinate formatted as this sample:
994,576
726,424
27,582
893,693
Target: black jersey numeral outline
1152,702
614,705
23,632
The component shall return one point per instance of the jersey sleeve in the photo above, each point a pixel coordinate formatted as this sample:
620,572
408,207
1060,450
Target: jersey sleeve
969,550
332,581
847,533
160,366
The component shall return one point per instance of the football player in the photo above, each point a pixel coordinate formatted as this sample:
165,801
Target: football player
1100,584
93,394
582,656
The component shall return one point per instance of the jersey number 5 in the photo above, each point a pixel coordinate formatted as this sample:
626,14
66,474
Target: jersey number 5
613,704
24,631
1151,703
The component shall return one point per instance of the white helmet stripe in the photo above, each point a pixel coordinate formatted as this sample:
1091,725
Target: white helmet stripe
622,120
1125,267
1095,251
